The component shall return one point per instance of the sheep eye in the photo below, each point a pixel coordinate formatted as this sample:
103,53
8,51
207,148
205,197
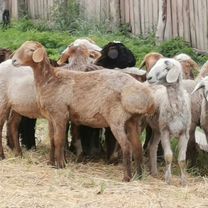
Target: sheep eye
32,50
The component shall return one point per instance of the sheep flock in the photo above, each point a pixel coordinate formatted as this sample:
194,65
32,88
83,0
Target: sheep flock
92,110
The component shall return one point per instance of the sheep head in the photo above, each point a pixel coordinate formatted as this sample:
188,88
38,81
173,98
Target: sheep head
202,84
150,59
116,54
166,71
74,52
28,54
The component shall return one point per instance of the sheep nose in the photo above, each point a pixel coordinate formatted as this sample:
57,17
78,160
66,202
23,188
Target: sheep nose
14,61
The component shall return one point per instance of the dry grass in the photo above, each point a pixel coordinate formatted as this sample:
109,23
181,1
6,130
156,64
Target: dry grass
30,182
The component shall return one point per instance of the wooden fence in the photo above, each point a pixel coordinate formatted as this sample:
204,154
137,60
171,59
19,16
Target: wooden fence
167,18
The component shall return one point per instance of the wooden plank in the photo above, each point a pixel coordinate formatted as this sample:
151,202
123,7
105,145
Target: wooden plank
196,14
204,24
186,20
142,16
146,17
174,18
137,18
161,20
200,24
168,28
180,17
127,14
192,24
122,11
155,13
131,12
150,16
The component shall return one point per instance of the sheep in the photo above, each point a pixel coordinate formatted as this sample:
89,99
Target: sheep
113,55
27,125
117,103
116,54
88,43
197,118
203,84
189,66
172,116
76,56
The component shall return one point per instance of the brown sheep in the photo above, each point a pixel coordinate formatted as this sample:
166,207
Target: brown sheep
94,98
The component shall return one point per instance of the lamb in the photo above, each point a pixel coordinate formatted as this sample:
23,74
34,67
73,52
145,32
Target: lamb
116,105
172,116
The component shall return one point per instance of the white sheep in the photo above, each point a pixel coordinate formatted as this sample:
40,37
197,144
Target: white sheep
172,117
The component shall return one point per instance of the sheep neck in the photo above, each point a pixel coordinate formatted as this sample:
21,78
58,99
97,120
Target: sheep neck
43,73
175,93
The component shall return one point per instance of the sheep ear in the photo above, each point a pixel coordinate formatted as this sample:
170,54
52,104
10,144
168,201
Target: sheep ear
198,86
113,53
38,55
63,59
173,75
95,54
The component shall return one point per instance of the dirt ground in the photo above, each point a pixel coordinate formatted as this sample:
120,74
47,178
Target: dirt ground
30,182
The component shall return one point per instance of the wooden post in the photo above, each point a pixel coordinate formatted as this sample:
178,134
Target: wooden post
161,21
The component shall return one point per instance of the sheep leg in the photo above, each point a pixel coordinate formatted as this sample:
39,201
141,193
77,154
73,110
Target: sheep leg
1,147
168,154
13,124
52,150
121,137
9,139
191,153
133,132
153,146
183,142
59,141
4,111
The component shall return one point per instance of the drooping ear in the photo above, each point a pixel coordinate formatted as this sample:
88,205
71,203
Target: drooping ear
198,86
38,55
113,53
173,73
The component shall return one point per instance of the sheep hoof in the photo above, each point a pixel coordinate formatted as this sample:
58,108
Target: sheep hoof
168,178
183,181
2,157
52,163
154,174
18,154
60,165
126,179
